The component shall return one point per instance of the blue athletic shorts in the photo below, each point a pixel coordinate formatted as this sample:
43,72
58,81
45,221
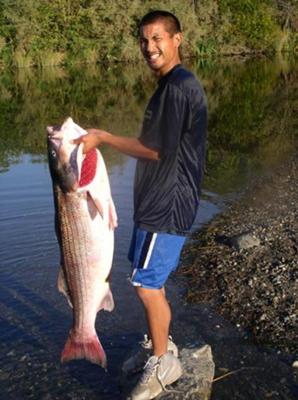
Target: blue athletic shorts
153,256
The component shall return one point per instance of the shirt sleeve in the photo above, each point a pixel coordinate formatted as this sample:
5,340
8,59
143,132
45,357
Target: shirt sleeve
165,119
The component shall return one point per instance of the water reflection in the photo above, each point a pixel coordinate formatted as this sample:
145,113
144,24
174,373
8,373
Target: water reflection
252,111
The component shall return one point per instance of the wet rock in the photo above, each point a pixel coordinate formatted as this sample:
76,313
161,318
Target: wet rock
198,374
196,381
244,241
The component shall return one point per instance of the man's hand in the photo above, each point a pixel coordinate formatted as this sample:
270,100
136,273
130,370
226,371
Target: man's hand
130,146
94,138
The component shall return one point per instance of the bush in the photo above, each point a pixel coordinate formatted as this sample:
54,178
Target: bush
39,32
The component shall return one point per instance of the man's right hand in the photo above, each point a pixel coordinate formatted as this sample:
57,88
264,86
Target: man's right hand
93,138
127,145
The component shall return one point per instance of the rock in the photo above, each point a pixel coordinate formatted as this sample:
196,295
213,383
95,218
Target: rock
198,374
244,241
196,381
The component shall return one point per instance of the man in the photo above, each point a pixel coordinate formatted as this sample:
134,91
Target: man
170,153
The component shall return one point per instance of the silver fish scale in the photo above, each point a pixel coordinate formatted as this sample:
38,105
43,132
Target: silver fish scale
74,229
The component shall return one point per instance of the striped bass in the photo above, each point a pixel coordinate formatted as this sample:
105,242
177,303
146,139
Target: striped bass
85,219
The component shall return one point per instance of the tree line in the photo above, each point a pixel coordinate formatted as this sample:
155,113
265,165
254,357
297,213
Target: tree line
63,32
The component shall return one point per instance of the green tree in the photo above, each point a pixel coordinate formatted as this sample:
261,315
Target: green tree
41,32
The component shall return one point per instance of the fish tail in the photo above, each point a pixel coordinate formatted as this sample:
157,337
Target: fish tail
90,350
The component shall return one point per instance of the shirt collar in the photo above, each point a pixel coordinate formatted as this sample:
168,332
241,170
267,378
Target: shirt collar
168,74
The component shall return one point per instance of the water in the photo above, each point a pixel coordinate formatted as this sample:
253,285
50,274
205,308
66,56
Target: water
246,136
35,319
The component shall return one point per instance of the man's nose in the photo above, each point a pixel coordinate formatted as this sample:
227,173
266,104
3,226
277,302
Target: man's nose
150,46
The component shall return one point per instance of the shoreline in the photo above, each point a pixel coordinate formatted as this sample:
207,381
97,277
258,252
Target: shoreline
244,262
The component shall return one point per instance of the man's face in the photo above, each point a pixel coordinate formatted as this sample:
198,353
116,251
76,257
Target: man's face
159,48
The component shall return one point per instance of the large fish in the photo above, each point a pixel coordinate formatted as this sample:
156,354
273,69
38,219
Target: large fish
85,218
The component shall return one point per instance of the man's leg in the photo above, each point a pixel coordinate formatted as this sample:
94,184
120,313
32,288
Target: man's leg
137,361
158,314
162,368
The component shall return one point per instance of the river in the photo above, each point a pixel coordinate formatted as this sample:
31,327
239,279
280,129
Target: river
251,127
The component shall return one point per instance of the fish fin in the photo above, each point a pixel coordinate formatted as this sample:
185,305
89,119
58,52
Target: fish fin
100,192
63,287
75,348
105,207
113,221
98,204
107,302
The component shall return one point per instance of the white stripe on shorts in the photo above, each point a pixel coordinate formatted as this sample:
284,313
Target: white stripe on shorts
132,276
154,236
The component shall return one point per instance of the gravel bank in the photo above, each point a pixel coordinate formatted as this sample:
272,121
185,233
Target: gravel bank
256,287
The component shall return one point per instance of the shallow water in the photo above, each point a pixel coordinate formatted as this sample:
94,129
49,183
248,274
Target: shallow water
35,318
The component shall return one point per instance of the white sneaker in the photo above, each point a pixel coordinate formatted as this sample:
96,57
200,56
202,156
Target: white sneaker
158,373
136,362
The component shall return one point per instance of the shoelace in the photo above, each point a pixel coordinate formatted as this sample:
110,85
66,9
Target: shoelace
149,369
146,343
164,388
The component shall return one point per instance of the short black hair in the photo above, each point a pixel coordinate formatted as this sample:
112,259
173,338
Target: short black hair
172,22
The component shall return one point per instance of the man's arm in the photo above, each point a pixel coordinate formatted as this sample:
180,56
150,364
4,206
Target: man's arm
130,146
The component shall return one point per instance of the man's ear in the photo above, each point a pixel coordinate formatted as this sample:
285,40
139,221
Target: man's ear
178,38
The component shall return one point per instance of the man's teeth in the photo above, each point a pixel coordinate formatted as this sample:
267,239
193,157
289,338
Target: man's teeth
154,56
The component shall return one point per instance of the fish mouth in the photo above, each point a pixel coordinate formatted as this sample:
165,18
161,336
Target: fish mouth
55,136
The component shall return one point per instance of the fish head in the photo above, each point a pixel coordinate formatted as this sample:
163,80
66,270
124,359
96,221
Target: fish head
65,157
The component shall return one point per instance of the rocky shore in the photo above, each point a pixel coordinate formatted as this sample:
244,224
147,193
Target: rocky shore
245,262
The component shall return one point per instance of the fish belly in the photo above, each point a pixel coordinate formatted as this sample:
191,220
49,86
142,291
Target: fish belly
86,244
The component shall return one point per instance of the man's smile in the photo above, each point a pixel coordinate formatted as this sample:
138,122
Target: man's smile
153,56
